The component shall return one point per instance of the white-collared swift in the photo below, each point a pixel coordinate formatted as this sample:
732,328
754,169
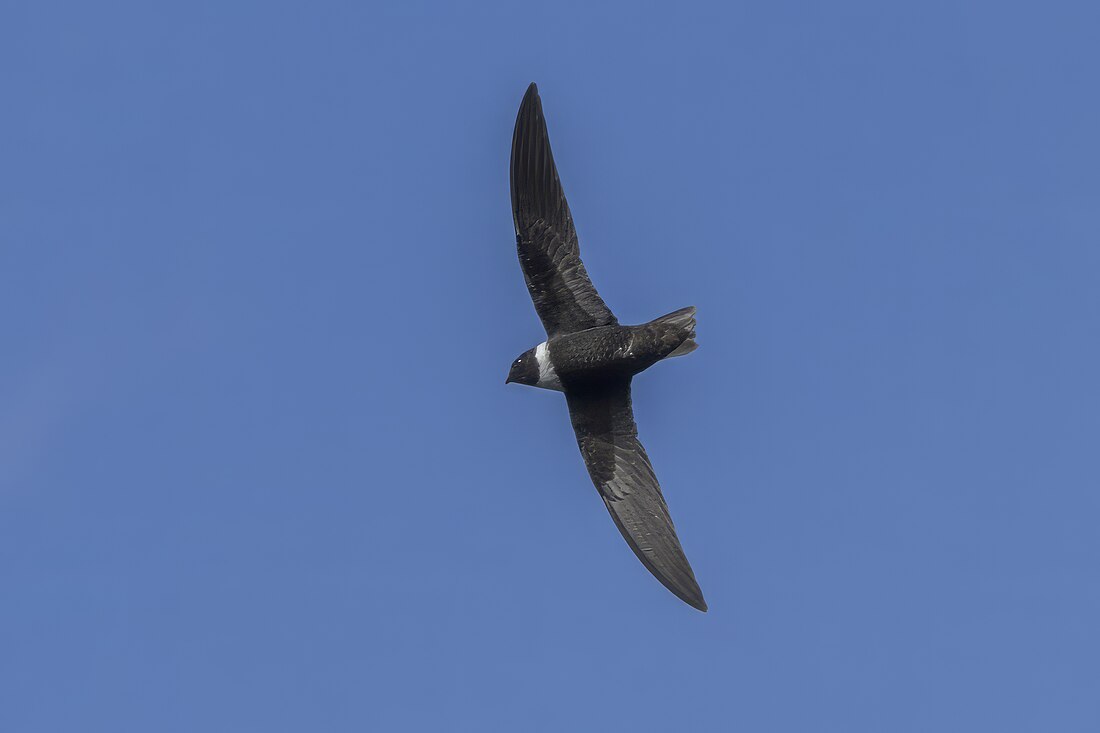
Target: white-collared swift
591,358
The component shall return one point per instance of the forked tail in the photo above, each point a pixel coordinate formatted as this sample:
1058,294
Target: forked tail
680,326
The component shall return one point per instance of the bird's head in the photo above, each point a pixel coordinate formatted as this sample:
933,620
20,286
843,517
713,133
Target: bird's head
525,369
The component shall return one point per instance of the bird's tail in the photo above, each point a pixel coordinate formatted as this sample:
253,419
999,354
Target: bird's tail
681,326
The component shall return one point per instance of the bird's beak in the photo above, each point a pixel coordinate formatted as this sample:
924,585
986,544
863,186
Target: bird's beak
508,380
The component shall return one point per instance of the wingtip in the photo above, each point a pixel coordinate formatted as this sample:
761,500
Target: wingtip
531,97
688,592
681,583
693,597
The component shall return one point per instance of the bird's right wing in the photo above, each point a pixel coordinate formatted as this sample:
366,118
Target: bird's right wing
564,297
603,420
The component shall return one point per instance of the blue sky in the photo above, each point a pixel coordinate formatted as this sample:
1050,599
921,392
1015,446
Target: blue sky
259,470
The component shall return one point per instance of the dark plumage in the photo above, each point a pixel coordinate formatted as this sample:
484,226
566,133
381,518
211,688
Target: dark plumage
591,358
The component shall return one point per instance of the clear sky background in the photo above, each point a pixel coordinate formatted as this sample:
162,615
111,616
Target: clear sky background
259,470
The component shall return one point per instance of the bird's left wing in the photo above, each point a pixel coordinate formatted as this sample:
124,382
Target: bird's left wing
603,420
549,254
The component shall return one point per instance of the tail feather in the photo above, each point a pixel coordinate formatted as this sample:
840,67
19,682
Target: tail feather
687,347
683,318
681,321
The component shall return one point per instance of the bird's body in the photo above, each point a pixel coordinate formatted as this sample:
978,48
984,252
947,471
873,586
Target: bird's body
590,357
609,352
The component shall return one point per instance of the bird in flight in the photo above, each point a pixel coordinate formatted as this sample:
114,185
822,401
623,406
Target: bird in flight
591,358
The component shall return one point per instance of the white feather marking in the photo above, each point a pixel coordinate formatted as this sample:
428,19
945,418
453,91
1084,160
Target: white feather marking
548,378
